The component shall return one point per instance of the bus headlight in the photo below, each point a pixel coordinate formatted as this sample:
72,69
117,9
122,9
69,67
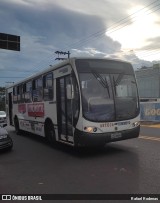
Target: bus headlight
135,124
90,129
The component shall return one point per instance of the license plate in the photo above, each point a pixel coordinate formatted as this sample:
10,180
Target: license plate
116,135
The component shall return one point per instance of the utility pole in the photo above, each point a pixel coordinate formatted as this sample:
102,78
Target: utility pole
62,53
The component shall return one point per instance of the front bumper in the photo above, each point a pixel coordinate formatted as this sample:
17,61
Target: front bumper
95,139
3,120
6,143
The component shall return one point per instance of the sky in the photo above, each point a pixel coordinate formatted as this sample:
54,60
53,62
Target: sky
127,30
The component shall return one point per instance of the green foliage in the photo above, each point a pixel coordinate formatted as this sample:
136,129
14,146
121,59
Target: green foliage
2,89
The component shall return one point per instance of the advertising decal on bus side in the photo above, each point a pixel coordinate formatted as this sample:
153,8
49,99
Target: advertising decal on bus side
36,109
22,108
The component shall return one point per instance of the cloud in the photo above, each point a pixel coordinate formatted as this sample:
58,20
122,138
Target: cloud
53,27
87,52
108,10
131,57
151,50
152,43
46,26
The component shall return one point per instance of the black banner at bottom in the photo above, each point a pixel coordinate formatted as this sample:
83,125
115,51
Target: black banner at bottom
26,197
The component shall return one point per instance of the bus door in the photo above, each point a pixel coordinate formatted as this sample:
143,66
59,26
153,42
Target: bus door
10,106
64,109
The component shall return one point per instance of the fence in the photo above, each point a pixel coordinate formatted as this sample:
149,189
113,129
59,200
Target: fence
150,111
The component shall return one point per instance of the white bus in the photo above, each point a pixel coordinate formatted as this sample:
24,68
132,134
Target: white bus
80,101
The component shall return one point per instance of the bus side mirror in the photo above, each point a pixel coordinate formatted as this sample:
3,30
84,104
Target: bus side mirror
70,92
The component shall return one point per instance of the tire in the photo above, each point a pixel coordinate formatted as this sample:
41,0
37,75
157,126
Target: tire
10,148
50,133
16,124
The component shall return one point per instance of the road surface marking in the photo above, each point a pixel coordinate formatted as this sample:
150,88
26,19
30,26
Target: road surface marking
152,126
149,138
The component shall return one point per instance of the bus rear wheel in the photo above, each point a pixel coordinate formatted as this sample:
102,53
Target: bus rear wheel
50,133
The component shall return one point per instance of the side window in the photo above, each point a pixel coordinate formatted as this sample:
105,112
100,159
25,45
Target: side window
48,87
15,95
19,93
37,92
28,92
23,92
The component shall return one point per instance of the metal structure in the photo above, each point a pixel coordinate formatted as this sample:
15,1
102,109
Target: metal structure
62,53
148,80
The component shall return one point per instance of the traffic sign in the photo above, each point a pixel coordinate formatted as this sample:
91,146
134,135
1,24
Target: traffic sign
10,42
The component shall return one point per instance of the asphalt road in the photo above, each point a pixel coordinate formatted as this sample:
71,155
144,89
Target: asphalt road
126,167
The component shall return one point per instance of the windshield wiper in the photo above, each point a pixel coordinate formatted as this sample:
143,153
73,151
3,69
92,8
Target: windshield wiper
101,80
119,78
117,81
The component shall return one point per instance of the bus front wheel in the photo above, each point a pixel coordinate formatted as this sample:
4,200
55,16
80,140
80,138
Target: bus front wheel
49,132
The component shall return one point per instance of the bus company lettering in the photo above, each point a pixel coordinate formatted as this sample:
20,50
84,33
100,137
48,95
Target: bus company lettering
36,110
103,125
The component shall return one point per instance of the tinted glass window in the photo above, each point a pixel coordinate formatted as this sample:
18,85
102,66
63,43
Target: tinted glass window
109,90
37,92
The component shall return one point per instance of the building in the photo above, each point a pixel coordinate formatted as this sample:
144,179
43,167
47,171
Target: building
148,80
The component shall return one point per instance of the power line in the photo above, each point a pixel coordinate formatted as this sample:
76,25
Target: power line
146,50
10,77
141,57
113,26
145,53
111,29
155,53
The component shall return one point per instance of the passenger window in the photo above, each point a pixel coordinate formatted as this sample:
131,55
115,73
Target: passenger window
37,92
23,92
19,93
28,92
15,95
48,87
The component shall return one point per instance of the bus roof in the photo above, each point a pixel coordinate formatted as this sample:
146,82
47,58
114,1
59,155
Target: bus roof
61,64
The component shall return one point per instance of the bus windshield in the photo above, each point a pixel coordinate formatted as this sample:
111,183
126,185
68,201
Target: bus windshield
108,95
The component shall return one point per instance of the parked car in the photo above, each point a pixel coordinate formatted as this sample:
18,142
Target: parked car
5,140
3,117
